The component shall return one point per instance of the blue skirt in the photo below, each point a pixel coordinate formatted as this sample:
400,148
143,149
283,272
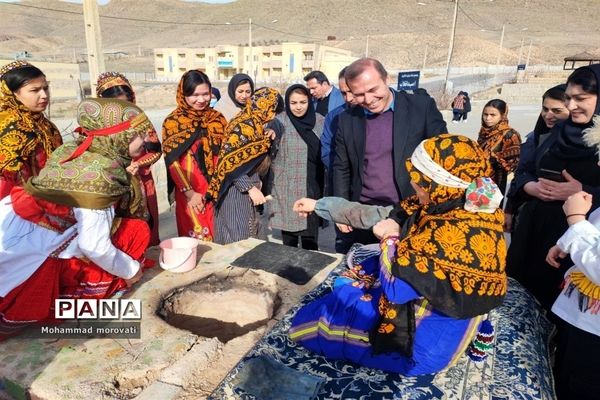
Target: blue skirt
337,325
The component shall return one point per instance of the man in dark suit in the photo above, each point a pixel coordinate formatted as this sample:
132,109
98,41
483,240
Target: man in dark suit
374,140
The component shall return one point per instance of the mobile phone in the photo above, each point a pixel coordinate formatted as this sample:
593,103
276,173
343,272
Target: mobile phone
551,174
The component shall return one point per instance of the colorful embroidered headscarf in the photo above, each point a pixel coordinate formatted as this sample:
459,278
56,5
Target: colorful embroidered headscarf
21,130
453,257
245,144
496,142
184,125
90,173
107,80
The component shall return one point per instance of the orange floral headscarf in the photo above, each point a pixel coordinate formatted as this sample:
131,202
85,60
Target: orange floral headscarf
184,125
22,131
453,257
245,142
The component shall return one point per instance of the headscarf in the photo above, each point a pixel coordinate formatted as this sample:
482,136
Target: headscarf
453,257
490,137
569,140
21,130
245,144
184,125
235,81
90,173
305,124
540,125
107,80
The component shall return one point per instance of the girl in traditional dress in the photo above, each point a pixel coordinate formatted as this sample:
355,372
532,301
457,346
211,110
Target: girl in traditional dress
192,136
297,168
412,304
500,142
27,137
243,159
114,85
76,230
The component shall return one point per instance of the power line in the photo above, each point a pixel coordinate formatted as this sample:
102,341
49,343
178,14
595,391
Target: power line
286,33
129,19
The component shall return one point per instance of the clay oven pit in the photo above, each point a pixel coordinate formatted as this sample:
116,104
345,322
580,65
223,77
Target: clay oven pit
221,307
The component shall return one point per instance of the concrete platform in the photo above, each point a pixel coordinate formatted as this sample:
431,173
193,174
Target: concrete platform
161,364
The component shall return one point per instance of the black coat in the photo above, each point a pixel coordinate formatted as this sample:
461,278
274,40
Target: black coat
416,118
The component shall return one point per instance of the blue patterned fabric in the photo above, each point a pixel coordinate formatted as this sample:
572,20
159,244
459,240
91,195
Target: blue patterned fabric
517,368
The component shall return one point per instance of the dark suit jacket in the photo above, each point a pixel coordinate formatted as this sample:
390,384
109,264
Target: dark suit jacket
416,118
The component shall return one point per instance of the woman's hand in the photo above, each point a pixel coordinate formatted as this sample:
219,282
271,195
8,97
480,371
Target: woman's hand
256,196
560,191
133,168
135,278
577,206
553,256
386,227
195,200
508,222
270,133
304,206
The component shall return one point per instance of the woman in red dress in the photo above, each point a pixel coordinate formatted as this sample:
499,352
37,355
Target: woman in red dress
113,85
27,137
77,230
192,136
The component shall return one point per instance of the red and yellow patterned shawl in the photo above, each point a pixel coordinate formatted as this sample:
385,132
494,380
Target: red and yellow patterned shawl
180,131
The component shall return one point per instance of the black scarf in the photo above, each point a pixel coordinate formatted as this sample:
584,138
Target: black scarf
235,81
569,142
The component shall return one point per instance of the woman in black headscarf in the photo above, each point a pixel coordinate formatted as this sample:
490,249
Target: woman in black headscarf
297,168
239,90
561,166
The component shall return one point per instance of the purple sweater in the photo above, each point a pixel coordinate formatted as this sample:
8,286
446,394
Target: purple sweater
378,185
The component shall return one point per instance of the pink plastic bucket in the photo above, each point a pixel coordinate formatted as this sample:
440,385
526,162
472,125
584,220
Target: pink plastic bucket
178,254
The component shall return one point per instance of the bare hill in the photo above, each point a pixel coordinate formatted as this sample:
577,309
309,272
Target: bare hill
402,33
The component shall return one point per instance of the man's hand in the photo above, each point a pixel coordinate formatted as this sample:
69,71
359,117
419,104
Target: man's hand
304,206
344,228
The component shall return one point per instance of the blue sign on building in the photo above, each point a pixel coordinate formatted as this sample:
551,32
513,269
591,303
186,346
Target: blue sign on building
408,80
225,63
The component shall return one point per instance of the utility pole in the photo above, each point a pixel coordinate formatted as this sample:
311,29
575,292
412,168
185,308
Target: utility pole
93,39
499,54
425,57
251,65
451,46
528,54
521,50
367,47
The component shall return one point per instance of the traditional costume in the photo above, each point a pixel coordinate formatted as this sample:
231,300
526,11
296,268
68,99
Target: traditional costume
191,143
244,148
152,153
26,138
502,144
414,306
75,230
